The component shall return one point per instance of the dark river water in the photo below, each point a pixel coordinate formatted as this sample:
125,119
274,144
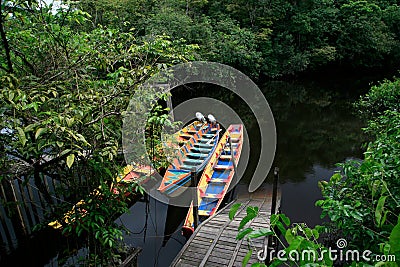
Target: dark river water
316,129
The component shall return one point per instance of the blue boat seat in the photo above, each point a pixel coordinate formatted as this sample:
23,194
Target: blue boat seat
197,155
225,157
192,161
203,145
188,167
223,167
201,150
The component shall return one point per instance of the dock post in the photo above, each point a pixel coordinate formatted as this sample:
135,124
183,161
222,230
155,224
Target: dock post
274,190
195,199
270,240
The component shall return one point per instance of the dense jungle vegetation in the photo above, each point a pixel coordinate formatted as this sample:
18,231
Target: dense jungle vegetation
67,71
267,38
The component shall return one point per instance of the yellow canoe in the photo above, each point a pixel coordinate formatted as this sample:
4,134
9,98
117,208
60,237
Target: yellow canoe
217,176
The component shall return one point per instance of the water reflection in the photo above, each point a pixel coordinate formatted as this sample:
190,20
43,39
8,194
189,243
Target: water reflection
314,126
298,201
148,232
316,129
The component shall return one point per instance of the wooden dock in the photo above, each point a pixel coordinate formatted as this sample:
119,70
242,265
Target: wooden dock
213,243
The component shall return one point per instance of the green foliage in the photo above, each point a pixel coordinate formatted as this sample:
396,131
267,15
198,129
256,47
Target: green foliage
246,258
251,213
233,210
64,85
243,233
297,237
382,97
235,46
368,221
91,216
272,38
365,38
394,238
363,201
157,120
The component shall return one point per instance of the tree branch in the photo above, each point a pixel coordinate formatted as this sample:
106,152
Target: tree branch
6,45
102,117
23,58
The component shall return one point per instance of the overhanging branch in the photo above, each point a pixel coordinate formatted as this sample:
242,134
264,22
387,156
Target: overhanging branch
5,44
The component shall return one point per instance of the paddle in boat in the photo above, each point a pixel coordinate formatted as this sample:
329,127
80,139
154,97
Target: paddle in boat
193,155
217,176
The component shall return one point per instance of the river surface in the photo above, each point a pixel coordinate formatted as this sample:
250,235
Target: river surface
316,129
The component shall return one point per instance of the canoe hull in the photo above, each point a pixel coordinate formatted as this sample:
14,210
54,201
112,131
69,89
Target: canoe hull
217,175
193,156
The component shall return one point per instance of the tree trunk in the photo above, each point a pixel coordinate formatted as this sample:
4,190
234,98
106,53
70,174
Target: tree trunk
6,45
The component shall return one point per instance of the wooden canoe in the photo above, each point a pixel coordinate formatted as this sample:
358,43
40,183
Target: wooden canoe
130,174
194,154
217,176
183,135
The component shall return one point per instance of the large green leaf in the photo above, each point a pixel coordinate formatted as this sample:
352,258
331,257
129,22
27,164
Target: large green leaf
379,210
252,211
260,232
289,236
394,238
285,219
22,137
295,243
33,105
247,258
233,210
30,127
374,187
70,160
251,214
39,132
243,233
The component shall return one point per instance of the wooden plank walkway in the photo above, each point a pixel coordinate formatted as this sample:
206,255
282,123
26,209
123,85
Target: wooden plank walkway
214,244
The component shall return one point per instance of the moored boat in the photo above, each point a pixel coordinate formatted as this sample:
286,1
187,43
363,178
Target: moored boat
217,176
130,174
193,155
183,135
